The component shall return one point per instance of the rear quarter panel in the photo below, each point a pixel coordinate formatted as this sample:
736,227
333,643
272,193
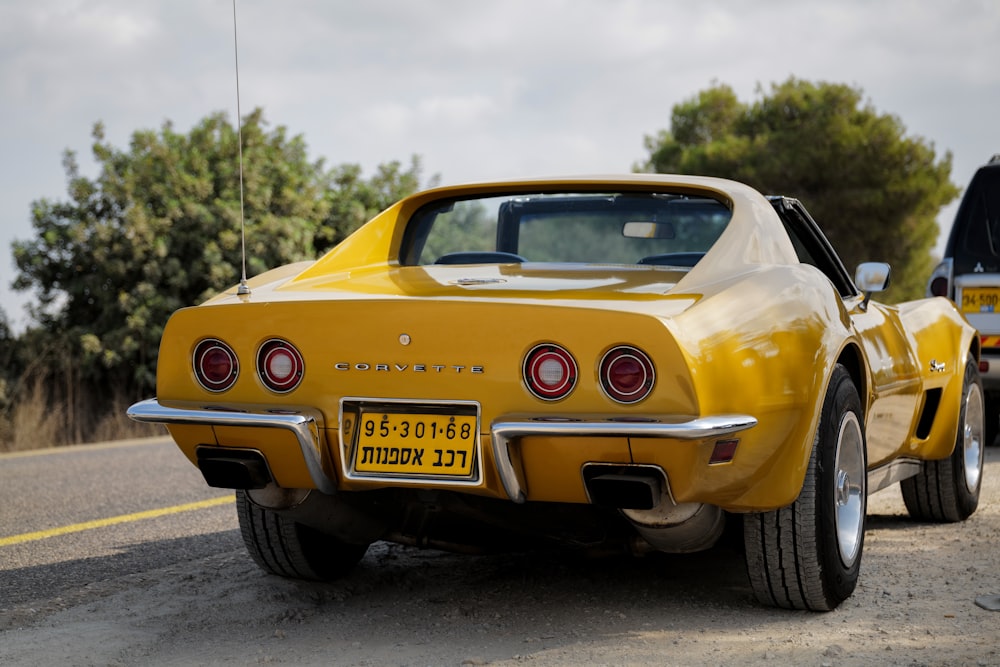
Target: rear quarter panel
940,334
764,345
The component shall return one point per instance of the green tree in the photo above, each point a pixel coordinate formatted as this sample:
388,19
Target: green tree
159,229
873,190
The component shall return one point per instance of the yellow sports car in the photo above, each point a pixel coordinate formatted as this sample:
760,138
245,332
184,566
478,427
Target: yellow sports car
588,362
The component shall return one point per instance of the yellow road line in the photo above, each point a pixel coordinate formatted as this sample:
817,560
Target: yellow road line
110,521
72,449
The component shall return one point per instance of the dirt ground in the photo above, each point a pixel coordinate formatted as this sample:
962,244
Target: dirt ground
915,605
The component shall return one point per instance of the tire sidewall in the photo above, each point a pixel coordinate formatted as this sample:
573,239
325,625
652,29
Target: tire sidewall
842,399
967,500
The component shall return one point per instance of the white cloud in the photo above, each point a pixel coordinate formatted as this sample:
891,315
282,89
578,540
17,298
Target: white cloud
479,89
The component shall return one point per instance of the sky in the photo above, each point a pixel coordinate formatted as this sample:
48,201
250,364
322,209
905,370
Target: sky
478,89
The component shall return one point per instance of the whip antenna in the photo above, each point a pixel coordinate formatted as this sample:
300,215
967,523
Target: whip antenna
244,289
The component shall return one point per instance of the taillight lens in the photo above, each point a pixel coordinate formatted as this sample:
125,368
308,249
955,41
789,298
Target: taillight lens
939,286
550,372
627,374
215,365
279,365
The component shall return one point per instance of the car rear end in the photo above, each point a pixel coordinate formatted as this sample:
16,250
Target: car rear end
384,376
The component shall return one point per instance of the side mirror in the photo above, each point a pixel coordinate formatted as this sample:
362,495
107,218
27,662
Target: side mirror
871,277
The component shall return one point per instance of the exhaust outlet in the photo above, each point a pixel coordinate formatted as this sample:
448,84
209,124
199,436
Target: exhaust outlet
624,486
642,494
225,468
624,491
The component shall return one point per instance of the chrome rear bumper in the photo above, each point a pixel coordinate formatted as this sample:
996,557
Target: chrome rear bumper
302,424
503,432
506,430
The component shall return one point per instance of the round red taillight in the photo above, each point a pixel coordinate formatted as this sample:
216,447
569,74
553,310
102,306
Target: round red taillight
627,374
215,365
279,365
939,286
550,372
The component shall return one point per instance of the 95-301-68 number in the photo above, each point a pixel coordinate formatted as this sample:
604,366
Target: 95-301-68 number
416,444
418,430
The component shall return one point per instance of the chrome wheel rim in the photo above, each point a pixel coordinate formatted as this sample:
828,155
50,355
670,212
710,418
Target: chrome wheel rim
850,486
972,437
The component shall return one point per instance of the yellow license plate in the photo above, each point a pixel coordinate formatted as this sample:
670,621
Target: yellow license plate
981,300
420,445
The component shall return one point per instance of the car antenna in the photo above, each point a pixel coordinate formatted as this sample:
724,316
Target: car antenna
244,289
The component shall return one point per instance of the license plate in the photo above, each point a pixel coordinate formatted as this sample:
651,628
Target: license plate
416,445
981,300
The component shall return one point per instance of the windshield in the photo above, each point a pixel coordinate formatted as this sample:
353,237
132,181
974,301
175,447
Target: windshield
606,228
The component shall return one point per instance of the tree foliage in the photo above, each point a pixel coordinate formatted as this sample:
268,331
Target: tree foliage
873,190
159,229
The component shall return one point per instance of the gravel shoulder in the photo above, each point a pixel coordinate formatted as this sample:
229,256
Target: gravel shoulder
915,605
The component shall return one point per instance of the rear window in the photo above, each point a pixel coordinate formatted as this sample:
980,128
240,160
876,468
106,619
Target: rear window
604,228
975,236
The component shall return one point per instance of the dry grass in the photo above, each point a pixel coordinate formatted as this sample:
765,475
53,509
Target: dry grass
33,423
36,422
115,425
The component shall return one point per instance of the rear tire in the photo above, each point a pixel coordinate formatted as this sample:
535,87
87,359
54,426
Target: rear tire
947,490
808,555
290,549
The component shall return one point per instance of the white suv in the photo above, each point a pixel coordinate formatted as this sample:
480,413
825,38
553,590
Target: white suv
969,274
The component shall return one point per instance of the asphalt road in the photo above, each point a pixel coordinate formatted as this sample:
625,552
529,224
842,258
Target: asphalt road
73,515
121,555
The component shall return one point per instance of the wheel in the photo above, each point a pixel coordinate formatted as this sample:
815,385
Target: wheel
948,490
808,555
290,549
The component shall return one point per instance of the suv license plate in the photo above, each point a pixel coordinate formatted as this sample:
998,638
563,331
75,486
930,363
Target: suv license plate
981,300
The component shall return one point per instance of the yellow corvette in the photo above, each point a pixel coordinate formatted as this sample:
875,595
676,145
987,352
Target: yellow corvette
589,362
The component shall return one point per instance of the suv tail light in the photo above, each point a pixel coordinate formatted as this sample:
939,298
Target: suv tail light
941,279
939,286
215,365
